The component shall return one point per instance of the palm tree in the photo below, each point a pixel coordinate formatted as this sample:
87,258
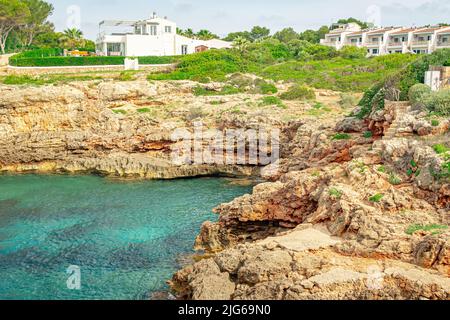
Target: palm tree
72,39
73,33
206,35
241,44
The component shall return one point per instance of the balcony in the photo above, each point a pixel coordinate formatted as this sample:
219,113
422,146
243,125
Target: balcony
373,43
422,43
396,43
443,44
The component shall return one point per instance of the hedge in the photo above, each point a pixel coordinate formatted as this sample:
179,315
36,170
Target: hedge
40,53
82,61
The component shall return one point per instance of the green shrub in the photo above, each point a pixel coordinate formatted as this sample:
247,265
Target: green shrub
441,149
376,198
126,76
368,134
419,227
352,52
143,110
55,61
264,87
22,79
341,136
299,92
394,180
39,53
213,64
119,111
418,93
347,100
439,102
335,193
381,169
272,101
226,90
435,123
368,100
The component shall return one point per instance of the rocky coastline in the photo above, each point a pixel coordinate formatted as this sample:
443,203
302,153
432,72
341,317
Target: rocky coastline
365,217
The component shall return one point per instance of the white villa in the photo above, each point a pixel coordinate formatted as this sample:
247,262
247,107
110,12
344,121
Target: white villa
379,41
153,37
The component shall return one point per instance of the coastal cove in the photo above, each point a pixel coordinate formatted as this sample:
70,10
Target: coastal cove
127,237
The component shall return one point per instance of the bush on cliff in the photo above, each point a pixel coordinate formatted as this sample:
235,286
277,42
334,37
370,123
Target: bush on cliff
298,92
418,93
213,64
438,102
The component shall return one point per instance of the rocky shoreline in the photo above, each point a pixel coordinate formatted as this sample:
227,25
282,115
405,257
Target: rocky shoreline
365,217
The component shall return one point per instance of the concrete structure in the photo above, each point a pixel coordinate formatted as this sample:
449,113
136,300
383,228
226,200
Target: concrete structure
379,41
152,37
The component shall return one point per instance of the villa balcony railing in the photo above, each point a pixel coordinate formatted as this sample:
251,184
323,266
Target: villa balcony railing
396,44
355,44
372,43
443,44
420,43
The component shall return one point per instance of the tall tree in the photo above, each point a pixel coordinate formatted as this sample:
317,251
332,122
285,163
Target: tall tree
37,21
258,33
13,14
206,35
286,35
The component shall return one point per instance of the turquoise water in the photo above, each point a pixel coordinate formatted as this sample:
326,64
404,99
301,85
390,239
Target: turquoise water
126,237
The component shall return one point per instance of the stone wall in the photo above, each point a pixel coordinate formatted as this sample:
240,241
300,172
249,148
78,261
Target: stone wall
4,59
78,69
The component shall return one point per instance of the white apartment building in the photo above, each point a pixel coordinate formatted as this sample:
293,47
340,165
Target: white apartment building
379,41
152,37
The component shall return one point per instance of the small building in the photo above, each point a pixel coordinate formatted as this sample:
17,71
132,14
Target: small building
379,41
151,37
201,48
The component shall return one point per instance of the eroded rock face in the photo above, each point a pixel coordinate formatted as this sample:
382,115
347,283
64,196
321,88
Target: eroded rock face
72,128
374,225
267,271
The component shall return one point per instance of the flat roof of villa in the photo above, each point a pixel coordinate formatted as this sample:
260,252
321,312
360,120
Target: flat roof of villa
380,31
428,30
357,33
403,31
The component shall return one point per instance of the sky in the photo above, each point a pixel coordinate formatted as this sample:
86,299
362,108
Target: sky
225,16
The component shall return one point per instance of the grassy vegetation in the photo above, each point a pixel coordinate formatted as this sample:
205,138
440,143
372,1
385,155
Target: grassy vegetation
143,110
396,85
119,111
441,148
45,80
376,198
207,66
368,134
127,76
338,73
335,193
434,228
226,90
317,66
394,179
298,92
341,136
272,101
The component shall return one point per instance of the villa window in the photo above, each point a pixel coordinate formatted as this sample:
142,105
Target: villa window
168,29
444,39
152,30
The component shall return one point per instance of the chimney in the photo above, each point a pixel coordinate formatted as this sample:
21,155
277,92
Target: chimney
154,15
165,17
